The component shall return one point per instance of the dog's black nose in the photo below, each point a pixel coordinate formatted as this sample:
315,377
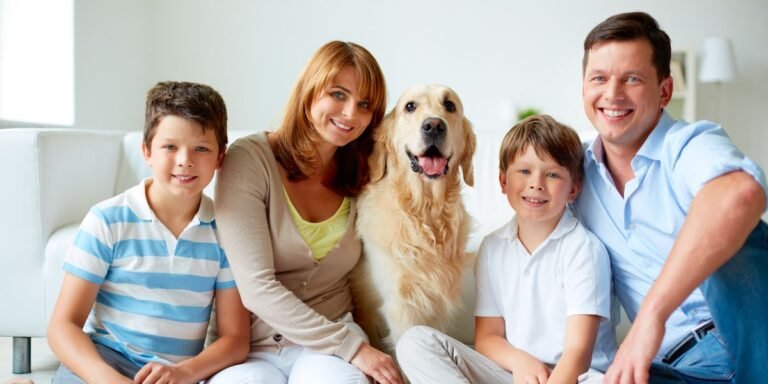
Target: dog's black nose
433,128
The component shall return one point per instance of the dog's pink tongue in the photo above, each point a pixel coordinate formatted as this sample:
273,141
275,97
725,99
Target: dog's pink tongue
433,165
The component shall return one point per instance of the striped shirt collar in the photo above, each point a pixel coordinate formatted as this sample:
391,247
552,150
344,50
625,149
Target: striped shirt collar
137,201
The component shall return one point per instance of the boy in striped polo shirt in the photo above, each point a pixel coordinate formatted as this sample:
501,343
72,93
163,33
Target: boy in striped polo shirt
146,264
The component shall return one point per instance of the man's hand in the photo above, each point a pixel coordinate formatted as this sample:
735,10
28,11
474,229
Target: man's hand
156,373
633,360
376,364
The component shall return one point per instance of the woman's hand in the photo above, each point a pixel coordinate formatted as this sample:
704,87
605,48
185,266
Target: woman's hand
376,364
156,373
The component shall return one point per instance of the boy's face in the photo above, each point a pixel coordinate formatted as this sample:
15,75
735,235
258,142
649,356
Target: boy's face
622,94
537,189
183,158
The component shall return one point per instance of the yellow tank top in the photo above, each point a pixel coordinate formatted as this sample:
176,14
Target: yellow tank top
321,237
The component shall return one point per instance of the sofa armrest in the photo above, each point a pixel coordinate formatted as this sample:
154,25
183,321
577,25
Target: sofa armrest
51,177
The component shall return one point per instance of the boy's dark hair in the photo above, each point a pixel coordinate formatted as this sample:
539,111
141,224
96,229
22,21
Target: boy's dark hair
549,138
633,26
191,101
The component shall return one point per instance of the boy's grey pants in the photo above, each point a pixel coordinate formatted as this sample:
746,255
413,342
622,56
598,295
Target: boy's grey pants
428,356
115,359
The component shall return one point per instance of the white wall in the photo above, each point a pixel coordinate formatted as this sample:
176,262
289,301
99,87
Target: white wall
493,52
112,63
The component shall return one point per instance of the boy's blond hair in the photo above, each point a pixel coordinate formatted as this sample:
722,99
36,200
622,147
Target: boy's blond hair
197,102
549,138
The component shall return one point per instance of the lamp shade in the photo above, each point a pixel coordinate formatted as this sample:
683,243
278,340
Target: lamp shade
717,61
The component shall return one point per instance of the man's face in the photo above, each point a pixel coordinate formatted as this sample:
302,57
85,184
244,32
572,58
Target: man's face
623,96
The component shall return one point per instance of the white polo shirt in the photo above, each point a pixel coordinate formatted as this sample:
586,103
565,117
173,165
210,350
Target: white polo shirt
568,274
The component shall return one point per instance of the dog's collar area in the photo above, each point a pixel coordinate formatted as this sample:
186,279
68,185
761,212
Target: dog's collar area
432,160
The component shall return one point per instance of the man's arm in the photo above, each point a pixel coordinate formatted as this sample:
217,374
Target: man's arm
580,335
720,218
232,346
491,343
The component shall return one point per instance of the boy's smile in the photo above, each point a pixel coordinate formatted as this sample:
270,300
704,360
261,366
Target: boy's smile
183,159
537,189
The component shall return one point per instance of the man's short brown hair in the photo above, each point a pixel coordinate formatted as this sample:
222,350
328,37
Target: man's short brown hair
633,26
549,138
197,102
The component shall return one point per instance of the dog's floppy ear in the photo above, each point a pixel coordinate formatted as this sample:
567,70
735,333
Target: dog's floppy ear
469,152
382,142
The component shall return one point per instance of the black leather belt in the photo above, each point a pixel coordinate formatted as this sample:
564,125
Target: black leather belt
687,342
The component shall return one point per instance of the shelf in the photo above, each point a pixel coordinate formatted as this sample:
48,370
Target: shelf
683,71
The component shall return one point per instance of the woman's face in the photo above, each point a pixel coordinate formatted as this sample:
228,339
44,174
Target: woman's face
339,114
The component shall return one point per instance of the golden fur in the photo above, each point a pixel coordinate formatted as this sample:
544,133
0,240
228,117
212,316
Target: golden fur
413,225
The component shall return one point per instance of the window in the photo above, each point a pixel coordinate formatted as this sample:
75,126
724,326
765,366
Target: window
37,62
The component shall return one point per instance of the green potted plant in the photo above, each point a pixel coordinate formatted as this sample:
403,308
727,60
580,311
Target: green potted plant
527,112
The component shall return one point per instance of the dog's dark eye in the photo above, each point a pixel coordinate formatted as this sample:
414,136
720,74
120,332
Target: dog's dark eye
449,106
410,106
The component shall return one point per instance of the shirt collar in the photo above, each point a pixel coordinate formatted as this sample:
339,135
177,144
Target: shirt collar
137,201
652,147
595,152
205,211
567,223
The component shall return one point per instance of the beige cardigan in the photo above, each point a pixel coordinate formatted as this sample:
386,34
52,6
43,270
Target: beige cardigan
293,298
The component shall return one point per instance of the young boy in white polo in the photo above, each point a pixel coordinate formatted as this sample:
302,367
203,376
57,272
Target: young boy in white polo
543,281
146,265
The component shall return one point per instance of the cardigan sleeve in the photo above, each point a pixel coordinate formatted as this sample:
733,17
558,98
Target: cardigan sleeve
241,204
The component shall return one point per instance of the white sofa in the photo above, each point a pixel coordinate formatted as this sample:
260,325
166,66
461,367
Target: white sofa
51,177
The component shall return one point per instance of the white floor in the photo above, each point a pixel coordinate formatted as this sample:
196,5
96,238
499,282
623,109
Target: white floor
44,363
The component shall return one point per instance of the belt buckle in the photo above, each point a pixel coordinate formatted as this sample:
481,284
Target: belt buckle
702,329
692,338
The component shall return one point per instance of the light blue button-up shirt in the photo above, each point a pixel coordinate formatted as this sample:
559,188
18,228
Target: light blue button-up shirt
639,229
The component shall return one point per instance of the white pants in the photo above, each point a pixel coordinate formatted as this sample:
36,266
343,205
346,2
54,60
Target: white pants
293,365
428,356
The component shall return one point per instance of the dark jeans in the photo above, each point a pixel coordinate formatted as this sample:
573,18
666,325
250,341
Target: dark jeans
737,296
114,358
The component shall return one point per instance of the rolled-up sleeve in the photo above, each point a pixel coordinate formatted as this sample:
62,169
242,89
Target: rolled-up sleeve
701,152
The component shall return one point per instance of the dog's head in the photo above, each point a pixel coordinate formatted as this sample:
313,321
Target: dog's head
426,132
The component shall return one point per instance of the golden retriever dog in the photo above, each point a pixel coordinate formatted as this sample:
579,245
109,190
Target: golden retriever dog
411,218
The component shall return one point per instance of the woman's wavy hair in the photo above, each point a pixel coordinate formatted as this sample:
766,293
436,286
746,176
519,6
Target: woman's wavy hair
295,148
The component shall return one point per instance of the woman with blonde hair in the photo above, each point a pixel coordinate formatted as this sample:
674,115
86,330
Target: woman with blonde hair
285,213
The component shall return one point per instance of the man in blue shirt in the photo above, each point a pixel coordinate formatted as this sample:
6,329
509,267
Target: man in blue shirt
678,207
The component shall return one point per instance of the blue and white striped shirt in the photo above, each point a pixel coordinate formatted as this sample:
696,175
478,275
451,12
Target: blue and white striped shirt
156,291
